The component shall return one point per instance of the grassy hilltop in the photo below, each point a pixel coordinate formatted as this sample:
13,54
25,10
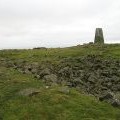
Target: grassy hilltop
44,84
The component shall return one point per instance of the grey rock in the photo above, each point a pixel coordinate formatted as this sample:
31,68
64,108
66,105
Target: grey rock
37,76
92,79
110,98
109,84
9,64
50,78
107,96
29,92
64,90
116,87
27,69
34,71
66,72
35,67
76,82
115,103
44,72
46,87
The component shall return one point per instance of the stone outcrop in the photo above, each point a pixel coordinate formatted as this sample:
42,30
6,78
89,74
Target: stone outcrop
91,74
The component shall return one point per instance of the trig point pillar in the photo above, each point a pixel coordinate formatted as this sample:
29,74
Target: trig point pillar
99,38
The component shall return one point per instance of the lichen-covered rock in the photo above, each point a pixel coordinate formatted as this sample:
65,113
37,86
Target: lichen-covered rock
44,72
107,96
110,98
64,90
115,103
76,81
92,79
66,72
52,78
29,92
35,67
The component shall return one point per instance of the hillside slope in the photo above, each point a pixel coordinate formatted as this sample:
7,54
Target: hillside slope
61,83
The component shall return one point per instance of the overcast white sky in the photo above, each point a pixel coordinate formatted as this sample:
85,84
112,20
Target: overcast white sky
57,23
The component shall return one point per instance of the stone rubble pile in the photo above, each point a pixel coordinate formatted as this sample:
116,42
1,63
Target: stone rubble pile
91,74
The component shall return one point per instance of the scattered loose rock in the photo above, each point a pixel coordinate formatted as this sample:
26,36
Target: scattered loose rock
91,74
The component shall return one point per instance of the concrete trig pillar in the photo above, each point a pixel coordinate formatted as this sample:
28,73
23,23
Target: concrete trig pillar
99,38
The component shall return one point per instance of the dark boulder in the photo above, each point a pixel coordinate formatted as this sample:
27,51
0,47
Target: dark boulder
110,98
107,96
44,72
115,103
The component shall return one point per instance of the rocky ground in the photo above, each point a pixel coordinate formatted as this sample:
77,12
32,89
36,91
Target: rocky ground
91,74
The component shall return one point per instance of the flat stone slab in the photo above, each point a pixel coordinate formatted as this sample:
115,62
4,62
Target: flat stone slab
29,92
64,90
